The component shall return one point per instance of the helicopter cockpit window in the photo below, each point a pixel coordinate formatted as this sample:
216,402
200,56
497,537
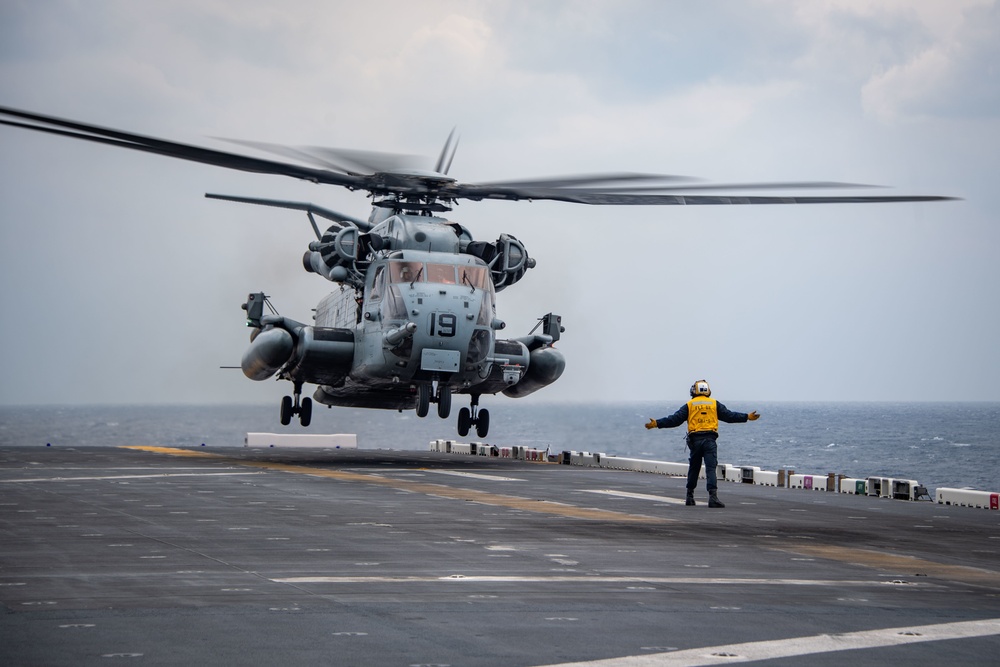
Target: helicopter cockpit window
446,274
407,272
475,276
378,285
441,273
393,306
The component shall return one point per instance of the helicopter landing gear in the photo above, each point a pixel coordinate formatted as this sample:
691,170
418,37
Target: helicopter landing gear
444,401
306,411
290,408
442,397
423,399
473,416
464,422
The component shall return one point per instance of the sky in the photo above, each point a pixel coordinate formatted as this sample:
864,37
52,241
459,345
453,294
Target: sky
121,283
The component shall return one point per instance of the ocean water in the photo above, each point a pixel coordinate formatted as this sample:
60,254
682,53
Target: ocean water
937,444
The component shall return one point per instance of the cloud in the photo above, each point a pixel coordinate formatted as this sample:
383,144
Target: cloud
913,59
958,78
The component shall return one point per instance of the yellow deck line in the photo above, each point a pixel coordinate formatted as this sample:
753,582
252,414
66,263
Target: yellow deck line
174,451
890,562
437,490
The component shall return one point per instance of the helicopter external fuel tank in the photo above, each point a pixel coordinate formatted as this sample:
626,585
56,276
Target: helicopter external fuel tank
518,371
545,365
269,351
322,356
307,355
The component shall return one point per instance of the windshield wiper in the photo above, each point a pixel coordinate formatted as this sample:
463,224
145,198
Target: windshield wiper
465,279
416,277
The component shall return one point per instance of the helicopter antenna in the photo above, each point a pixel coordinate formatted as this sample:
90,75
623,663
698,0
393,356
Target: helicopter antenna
270,306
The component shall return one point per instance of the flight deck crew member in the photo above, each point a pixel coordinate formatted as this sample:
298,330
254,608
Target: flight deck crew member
702,414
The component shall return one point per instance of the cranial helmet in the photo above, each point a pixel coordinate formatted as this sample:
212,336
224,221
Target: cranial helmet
701,388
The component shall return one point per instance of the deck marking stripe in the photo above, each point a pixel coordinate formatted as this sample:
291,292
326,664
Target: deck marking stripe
437,490
891,562
473,475
81,479
174,451
799,646
576,579
637,496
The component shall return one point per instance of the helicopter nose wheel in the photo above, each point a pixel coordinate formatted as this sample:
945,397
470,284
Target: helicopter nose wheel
473,416
291,407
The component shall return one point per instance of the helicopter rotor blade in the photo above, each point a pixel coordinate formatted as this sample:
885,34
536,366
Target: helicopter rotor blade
561,189
626,199
348,161
585,179
147,144
294,153
329,214
368,162
392,177
778,185
447,154
451,158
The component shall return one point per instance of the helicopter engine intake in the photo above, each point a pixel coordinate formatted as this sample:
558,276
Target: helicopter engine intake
335,255
507,258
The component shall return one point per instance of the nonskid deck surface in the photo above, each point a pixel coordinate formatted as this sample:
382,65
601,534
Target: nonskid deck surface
158,556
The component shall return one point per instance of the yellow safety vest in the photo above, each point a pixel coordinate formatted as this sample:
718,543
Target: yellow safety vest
703,415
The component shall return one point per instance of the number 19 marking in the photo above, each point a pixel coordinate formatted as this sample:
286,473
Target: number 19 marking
443,324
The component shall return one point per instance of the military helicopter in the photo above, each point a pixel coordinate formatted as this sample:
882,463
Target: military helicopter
413,320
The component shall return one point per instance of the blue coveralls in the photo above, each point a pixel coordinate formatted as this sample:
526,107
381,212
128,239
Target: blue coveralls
703,444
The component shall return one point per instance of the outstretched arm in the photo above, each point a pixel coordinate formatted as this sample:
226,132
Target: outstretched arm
733,417
673,420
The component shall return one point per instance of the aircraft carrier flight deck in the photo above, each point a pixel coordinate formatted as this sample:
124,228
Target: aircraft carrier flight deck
228,556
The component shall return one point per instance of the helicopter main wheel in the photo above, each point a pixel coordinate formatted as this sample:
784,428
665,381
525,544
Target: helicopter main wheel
423,399
464,422
483,423
305,411
444,401
473,416
286,410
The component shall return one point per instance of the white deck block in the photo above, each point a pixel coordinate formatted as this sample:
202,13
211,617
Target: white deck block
854,486
644,465
808,482
311,440
765,477
880,486
968,498
733,473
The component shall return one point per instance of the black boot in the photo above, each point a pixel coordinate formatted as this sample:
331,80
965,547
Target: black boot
713,501
689,501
